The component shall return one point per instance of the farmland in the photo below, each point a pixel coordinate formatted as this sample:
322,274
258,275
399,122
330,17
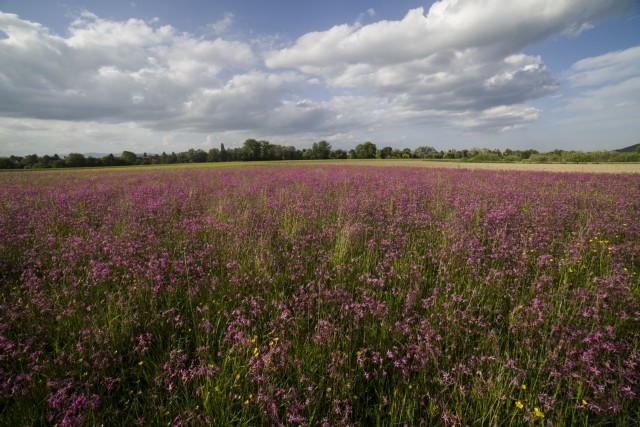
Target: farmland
319,294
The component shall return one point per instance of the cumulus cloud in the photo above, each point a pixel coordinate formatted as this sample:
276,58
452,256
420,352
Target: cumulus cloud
137,71
463,57
107,70
459,64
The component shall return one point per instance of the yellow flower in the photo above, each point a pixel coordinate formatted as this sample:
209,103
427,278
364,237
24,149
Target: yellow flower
140,363
524,387
519,405
537,413
584,402
328,389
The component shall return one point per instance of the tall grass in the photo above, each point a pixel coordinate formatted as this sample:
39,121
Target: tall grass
319,295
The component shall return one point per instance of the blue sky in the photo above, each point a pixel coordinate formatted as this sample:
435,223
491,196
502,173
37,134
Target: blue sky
153,76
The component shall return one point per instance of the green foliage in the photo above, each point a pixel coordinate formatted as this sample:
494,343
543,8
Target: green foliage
129,158
75,160
385,153
366,150
425,153
261,150
319,151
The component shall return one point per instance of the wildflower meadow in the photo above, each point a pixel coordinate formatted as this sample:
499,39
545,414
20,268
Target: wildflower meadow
319,295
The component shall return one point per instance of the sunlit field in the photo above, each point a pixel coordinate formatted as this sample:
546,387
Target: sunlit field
319,294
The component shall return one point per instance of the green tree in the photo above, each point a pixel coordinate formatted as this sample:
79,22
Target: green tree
197,156
366,150
425,152
320,150
213,155
111,160
252,150
384,153
29,161
129,158
6,163
339,154
223,153
75,160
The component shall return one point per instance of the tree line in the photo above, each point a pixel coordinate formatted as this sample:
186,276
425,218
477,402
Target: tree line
255,150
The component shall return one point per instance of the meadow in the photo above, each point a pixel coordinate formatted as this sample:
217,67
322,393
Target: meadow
319,294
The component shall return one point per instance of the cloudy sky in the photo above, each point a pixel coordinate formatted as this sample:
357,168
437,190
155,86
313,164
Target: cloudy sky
166,75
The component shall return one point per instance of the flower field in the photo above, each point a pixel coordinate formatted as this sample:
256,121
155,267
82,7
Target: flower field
319,295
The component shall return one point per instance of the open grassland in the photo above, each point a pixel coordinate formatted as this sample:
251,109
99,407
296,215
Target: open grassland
319,294
536,167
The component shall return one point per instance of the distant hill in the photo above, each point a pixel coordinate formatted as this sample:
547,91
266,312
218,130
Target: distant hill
629,149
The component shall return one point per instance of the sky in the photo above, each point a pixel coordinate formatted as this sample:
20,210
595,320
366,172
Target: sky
155,76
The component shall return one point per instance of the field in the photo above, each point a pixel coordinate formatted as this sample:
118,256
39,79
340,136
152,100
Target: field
319,294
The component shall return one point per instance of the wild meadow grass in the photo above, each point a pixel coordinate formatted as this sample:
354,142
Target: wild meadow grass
319,295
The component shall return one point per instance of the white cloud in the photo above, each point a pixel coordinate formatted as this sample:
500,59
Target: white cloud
610,86
610,67
460,65
109,71
223,24
462,56
600,105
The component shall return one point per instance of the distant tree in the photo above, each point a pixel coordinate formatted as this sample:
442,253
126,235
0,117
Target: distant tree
339,154
75,160
44,162
29,161
92,162
280,152
213,155
425,152
129,158
252,150
6,163
366,150
320,150
197,156
267,151
15,161
223,153
385,153
111,160
183,157
147,159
